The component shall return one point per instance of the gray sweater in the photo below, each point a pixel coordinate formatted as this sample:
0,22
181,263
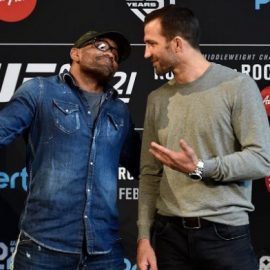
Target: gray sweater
222,117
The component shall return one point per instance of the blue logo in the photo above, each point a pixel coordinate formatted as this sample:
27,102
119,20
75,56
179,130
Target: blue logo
16,180
6,250
129,265
258,3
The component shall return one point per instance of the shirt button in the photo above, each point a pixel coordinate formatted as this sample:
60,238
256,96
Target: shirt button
88,190
89,112
85,216
91,163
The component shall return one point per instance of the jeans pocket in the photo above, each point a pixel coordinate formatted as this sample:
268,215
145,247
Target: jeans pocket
25,240
160,227
228,232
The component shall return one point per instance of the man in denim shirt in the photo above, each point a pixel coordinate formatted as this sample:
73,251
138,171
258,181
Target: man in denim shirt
78,132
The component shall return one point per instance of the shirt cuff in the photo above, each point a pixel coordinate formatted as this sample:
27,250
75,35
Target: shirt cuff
210,168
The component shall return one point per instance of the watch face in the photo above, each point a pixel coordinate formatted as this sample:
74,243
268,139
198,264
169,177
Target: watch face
195,176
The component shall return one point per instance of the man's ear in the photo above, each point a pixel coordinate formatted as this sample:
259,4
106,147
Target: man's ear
74,54
178,43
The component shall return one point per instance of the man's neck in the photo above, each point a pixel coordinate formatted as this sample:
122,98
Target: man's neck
191,70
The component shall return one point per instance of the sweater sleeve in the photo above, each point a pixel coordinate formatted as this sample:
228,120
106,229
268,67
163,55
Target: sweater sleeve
151,172
251,128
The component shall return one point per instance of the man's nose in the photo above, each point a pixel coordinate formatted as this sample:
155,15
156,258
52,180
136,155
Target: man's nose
112,55
147,53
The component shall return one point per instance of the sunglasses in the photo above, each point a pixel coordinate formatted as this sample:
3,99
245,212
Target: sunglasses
103,46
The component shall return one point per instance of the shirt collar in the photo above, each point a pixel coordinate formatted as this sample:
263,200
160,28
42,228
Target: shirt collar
67,77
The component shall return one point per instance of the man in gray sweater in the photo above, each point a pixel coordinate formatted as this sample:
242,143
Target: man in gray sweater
208,135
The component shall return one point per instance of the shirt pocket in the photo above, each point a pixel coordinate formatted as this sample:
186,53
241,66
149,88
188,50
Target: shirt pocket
115,126
66,116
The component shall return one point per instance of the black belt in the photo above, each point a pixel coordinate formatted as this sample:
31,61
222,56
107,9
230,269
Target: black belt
186,222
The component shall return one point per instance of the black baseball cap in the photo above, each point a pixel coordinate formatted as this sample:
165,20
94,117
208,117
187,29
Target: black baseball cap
123,44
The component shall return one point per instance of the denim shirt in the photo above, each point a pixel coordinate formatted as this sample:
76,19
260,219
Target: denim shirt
72,166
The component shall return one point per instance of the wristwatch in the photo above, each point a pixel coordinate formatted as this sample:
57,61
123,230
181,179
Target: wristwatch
197,173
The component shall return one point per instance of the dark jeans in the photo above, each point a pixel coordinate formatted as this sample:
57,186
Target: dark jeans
214,246
31,256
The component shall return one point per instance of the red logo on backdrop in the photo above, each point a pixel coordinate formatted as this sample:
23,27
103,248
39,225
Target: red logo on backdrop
267,182
16,10
266,99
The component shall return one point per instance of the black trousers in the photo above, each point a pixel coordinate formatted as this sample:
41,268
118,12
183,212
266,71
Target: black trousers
202,245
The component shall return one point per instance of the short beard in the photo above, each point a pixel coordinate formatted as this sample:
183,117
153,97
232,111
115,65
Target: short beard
169,66
100,75
163,71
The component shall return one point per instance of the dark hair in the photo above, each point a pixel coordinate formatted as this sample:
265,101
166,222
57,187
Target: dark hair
176,20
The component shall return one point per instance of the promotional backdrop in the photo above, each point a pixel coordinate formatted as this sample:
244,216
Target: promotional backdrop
35,39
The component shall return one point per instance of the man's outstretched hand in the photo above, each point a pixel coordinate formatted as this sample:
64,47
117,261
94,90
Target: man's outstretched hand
184,161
